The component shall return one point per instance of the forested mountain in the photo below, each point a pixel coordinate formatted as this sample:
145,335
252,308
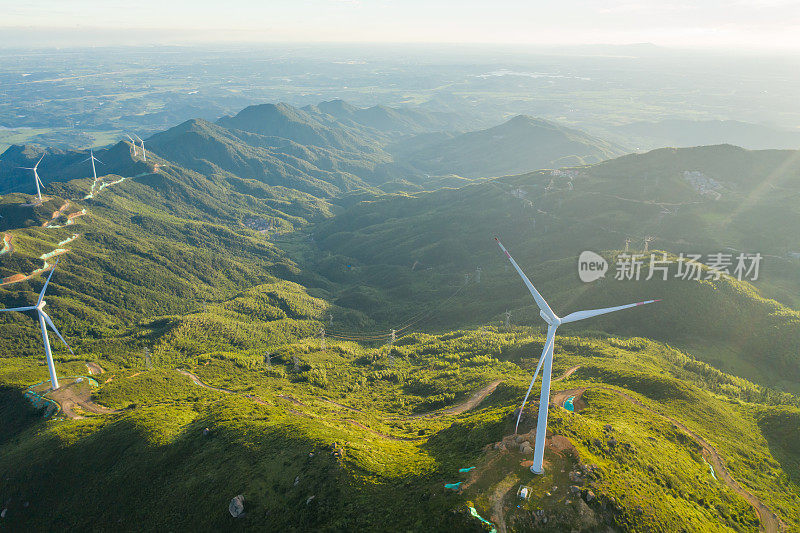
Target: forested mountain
307,307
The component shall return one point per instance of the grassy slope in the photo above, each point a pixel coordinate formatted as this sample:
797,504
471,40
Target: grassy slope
258,449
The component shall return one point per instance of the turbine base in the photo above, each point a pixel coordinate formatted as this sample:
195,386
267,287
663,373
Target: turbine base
537,472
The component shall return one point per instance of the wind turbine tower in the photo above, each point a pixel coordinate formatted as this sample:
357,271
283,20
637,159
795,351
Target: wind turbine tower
92,158
144,152
36,179
44,321
553,321
133,144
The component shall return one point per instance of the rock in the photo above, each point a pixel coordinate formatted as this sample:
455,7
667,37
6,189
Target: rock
612,442
524,444
310,498
296,480
607,427
519,438
574,489
236,507
588,495
527,450
3,513
206,432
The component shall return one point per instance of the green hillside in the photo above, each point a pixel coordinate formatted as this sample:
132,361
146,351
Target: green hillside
246,281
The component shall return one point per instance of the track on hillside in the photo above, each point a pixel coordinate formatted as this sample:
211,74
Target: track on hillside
770,523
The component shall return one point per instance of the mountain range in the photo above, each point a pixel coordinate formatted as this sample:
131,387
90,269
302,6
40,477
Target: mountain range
306,307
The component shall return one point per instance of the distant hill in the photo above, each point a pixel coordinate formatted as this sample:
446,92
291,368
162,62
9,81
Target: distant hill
391,121
283,120
549,217
210,148
522,144
684,133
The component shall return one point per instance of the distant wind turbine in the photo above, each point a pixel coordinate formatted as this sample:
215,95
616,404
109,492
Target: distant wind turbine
92,158
44,321
133,143
144,152
553,321
36,179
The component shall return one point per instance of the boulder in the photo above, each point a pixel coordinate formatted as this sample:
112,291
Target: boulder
523,445
236,507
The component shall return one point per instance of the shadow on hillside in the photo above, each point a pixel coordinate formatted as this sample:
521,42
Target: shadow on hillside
780,427
16,413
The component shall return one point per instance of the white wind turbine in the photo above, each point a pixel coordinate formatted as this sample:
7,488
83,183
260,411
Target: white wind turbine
133,143
92,158
553,321
36,179
144,152
44,321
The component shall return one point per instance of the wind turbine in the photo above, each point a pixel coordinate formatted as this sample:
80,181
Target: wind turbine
553,321
144,152
45,319
133,143
36,179
92,158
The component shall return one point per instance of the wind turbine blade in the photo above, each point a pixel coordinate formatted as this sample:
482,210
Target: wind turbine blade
29,308
547,351
52,271
39,161
540,301
580,315
99,161
55,330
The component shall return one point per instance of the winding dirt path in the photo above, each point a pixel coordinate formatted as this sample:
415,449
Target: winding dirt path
199,382
467,405
770,523
497,498
567,373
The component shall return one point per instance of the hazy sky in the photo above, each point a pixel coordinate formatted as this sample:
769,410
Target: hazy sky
770,24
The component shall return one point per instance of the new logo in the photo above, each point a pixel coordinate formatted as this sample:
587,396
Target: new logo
591,266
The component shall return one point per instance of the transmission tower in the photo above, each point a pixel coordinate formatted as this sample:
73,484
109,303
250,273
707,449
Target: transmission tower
478,275
647,241
627,244
508,319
